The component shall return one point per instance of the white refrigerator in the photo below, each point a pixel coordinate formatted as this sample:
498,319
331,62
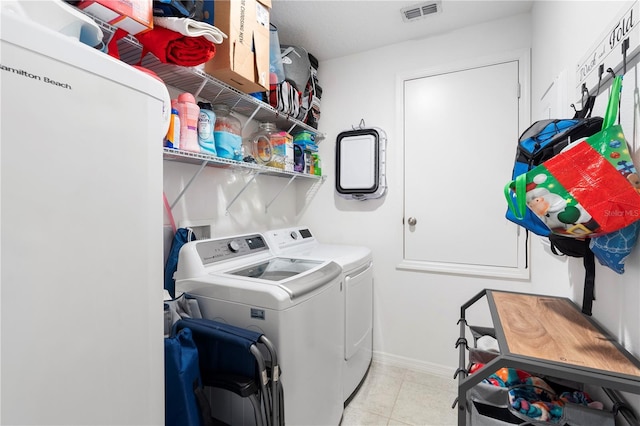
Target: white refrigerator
81,258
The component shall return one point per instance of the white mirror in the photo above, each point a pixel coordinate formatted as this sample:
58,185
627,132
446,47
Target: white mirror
360,164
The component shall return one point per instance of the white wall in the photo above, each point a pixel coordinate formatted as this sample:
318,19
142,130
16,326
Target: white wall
562,33
416,312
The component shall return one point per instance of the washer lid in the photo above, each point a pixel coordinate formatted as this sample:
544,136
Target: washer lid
295,276
348,257
276,269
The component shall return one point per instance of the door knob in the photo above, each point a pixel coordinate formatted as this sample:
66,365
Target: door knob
412,221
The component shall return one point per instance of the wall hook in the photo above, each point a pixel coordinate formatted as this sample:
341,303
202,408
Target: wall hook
585,91
360,126
600,72
625,47
587,103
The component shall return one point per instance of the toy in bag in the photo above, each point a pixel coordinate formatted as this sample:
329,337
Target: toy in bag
589,189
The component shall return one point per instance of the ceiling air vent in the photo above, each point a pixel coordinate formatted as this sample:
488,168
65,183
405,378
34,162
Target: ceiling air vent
421,10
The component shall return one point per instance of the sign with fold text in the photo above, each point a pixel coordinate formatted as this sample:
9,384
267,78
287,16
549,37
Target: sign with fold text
607,50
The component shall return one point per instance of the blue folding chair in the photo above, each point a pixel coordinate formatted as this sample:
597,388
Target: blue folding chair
230,359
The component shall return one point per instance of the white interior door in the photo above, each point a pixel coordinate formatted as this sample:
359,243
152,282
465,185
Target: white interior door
460,133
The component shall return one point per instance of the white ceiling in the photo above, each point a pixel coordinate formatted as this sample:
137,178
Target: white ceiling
334,28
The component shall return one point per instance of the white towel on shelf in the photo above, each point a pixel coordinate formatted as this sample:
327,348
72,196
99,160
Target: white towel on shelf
191,28
488,343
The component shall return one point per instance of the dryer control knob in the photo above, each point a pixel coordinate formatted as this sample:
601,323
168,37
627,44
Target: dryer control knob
294,235
234,246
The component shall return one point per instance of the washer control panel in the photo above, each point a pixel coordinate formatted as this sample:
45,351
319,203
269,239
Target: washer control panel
212,251
291,237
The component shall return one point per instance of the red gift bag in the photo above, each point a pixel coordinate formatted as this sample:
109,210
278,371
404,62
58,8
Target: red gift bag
590,189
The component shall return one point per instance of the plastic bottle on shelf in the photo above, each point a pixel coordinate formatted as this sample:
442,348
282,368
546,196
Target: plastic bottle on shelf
172,139
206,124
188,112
317,164
227,133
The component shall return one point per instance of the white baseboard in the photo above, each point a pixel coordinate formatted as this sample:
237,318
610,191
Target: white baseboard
413,364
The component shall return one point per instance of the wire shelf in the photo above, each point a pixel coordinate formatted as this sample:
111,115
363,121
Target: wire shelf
197,82
213,161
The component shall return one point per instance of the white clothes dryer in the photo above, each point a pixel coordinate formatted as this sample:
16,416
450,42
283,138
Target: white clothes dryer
294,302
357,267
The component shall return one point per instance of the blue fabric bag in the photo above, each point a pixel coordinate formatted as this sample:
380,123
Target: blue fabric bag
181,380
222,347
612,249
182,236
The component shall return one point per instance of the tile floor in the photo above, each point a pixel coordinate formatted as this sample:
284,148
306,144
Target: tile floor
398,396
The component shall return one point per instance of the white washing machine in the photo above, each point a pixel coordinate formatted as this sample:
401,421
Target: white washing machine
294,302
357,266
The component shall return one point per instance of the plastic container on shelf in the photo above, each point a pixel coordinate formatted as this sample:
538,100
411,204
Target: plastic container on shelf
298,158
304,137
310,160
276,69
188,112
206,124
282,157
227,133
317,164
259,144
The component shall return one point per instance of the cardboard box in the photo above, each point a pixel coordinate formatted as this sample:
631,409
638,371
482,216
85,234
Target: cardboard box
242,60
133,16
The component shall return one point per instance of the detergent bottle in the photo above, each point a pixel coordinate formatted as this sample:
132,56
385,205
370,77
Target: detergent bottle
206,123
188,112
172,139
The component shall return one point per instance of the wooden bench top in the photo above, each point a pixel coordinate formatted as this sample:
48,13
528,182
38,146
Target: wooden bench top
553,329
